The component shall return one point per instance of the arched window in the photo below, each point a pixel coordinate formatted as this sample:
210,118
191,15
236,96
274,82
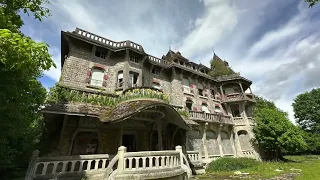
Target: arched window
156,85
204,108
85,143
217,108
97,77
195,141
212,143
226,143
244,140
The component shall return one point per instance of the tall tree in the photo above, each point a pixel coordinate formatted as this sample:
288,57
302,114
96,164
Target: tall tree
274,132
219,67
22,62
306,107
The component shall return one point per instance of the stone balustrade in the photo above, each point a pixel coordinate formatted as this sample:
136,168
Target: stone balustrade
107,41
239,121
51,166
250,120
210,117
248,153
194,156
158,60
151,164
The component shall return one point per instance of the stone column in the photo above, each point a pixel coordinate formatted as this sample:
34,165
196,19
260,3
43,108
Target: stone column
65,121
32,165
93,52
233,143
219,140
121,133
237,143
241,87
121,163
159,127
204,141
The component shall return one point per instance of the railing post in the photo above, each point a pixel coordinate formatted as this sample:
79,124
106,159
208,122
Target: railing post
121,151
179,149
32,165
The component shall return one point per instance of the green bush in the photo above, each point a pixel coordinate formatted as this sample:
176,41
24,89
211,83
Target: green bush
231,164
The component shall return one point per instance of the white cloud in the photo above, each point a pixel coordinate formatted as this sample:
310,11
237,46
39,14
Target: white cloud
249,34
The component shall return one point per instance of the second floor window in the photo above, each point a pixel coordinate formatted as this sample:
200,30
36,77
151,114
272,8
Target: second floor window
100,53
97,77
205,108
200,91
134,59
189,105
133,79
155,71
120,79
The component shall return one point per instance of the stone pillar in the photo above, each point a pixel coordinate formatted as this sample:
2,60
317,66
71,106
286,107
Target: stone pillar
159,127
121,133
237,143
233,143
204,141
65,121
121,163
219,140
93,52
32,165
241,87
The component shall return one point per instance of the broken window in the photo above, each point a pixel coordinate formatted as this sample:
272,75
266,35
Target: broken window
155,71
235,110
120,79
100,53
133,79
97,77
189,105
134,59
205,108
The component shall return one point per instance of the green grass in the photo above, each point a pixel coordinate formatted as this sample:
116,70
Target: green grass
310,166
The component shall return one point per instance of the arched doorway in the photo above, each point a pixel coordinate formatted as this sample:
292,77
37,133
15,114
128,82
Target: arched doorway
244,140
85,142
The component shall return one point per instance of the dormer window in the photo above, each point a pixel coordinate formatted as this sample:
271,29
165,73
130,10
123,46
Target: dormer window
134,59
155,71
100,53
97,77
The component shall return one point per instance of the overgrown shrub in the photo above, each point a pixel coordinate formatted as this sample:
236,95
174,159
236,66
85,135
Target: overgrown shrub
231,164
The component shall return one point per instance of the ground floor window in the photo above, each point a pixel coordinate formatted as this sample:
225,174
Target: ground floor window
85,143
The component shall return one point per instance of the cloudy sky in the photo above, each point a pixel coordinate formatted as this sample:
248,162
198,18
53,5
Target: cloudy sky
274,43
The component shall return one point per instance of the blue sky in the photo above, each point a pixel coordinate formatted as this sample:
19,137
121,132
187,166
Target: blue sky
273,43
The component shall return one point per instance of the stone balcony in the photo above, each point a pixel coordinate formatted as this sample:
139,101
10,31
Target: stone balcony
210,117
233,97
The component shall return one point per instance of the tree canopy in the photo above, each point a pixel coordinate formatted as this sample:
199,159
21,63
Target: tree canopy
22,62
219,67
274,132
312,2
306,107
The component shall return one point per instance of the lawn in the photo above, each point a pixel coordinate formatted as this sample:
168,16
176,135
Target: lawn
308,168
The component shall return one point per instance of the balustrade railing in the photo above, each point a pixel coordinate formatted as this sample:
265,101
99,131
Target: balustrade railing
158,60
50,166
107,41
239,120
210,117
194,156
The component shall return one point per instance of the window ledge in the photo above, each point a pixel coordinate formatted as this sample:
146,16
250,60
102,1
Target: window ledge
188,93
96,87
203,97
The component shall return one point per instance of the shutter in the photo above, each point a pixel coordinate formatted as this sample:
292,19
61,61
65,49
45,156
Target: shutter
105,77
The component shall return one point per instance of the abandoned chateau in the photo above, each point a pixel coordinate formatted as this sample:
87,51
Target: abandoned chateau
120,113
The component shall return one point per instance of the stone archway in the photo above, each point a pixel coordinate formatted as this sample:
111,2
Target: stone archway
244,140
212,143
226,143
85,142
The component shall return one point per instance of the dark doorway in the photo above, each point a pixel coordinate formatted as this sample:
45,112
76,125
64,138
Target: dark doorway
129,141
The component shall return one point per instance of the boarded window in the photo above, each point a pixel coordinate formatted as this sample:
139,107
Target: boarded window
212,143
195,141
97,77
226,143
